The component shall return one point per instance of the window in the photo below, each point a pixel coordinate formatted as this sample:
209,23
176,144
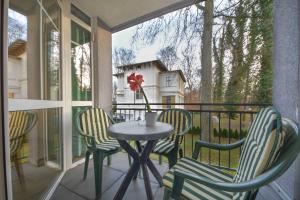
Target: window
34,67
81,63
34,72
138,94
81,75
168,81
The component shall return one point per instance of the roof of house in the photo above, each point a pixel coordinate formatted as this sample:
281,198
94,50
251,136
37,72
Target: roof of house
158,63
179,71
17,48
161,66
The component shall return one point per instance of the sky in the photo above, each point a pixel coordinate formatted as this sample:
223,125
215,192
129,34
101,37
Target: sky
142,52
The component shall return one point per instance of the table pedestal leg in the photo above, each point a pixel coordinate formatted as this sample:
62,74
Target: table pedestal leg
139,160
155,173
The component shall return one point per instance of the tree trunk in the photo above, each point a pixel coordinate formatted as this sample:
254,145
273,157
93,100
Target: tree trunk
206,68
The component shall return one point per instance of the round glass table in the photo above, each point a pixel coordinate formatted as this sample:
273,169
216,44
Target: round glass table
138,131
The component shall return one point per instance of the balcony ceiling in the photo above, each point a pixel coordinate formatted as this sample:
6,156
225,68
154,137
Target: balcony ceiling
117,15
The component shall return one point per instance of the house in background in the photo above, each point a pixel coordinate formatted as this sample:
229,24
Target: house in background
17,70
160,84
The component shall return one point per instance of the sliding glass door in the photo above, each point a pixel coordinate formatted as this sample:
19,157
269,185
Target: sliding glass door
81,79
34,89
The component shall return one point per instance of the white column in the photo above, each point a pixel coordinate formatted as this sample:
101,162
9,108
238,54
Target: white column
286,75
103,68
67,83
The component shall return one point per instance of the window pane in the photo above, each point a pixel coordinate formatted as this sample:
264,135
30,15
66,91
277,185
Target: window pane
52,65
23,50
36,151
81,64
27,77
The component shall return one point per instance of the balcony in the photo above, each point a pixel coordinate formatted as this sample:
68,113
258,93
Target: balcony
72,187
235,117
63,64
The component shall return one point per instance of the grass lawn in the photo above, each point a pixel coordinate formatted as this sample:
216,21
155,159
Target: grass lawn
239,122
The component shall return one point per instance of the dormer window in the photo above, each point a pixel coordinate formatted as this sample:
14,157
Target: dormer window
168,81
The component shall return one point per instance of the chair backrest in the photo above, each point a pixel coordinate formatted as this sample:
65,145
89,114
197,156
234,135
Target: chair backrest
283,160
179,118
261,147
20,123
94,122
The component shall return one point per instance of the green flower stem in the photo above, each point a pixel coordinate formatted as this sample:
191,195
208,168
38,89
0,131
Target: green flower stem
147,102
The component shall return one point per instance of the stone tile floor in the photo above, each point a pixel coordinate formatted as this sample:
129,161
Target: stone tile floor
73,188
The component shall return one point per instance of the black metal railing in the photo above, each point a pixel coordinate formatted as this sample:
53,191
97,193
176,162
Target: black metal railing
221,123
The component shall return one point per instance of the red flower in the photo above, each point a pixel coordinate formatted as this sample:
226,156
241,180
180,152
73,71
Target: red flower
135,81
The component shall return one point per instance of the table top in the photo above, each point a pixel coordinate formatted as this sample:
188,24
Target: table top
137,130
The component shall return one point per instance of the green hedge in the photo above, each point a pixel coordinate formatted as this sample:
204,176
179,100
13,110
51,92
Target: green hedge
222,133
231,133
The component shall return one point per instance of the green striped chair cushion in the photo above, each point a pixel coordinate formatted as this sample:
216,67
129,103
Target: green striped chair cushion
193,190
180,120
164,146
94,122
18,122
261,147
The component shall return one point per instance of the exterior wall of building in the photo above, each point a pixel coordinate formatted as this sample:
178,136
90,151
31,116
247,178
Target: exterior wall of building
155,85
17,77
286,81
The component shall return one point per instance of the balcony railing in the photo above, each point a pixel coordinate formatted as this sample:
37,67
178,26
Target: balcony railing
223,123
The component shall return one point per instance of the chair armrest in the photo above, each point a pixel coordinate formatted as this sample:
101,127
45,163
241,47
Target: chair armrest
90,140
17,137
252,184
225,147
111,119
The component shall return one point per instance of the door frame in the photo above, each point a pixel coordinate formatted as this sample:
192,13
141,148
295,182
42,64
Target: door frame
5,172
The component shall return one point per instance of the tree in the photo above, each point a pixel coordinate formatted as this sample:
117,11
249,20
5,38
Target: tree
264,92
189,68
237,74
123,56
168,56
219,54
16,30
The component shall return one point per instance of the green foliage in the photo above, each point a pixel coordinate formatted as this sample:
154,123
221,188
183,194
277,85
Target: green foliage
195,130
231,133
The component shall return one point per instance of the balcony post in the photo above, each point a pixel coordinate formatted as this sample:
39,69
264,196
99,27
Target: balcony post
286,77
102,53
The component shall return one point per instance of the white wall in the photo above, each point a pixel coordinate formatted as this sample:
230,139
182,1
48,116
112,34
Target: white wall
103,69
17,76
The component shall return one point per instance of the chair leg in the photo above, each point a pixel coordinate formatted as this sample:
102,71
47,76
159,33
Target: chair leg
98,164
19,169
167,194
180,153
86,164
108,160
129,159
172,159
160,159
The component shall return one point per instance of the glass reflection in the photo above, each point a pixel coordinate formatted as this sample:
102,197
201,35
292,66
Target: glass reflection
81,64
26,50
36,151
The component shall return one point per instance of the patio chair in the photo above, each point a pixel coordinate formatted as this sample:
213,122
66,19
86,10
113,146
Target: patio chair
170,147
20,123
92,125
269,149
